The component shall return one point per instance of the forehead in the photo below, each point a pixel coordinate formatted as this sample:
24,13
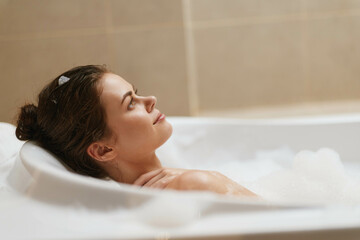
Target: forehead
113,84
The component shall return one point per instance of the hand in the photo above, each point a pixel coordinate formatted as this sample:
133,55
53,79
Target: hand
159,178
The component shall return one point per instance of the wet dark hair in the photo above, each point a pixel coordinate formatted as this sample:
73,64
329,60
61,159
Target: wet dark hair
68,118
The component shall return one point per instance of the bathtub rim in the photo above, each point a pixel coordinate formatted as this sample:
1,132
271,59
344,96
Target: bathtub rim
286,121
67,177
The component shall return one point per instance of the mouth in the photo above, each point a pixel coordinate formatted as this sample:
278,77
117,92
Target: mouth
160,117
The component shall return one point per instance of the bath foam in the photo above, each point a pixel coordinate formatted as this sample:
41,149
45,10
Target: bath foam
314,177
278,175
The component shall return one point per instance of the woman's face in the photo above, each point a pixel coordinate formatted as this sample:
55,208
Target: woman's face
137,126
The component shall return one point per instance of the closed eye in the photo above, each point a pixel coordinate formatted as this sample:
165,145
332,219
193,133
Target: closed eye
132,103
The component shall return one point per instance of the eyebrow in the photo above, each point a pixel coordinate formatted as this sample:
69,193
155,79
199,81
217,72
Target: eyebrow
129,93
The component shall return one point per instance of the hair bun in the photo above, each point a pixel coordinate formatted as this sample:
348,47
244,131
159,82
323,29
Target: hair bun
27,126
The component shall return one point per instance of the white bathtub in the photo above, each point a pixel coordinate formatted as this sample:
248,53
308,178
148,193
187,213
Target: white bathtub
40,191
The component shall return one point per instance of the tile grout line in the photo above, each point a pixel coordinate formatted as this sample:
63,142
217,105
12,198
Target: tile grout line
190,58
304,108
273,19
193,25
86,32
304,40
109,29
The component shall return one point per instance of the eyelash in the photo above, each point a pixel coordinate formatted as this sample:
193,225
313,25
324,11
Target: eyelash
132,101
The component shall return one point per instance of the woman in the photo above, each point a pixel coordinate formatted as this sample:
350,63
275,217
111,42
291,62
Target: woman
95,123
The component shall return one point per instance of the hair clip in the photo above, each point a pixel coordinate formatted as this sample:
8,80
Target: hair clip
63,80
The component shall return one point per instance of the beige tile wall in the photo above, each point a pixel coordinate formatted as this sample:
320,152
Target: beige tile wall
155,62
333,58
26,65
204,10
140,40
39,16
140,12
276,52
194,55
242,68
331,5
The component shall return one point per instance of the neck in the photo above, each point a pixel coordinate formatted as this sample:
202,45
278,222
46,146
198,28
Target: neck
127,171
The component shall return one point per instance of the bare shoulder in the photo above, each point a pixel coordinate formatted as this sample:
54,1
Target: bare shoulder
194,176
194,180
208,181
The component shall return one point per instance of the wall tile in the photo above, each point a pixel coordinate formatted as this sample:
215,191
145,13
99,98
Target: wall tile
144,12
331,5
36,16
249,65
27,65
333,58
229,9
154,61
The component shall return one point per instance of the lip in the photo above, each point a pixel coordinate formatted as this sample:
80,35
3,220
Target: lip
159,118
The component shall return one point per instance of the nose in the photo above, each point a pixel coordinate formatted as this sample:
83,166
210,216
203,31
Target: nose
150,103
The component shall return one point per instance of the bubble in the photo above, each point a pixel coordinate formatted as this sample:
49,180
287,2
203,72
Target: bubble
315,176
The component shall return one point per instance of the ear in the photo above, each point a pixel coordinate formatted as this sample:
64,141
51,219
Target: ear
101,152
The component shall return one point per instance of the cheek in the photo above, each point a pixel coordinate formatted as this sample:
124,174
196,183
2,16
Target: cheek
135,134
138,135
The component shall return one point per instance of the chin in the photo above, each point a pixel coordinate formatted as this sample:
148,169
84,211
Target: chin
168,129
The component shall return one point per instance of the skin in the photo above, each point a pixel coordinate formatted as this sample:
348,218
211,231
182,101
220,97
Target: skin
128,153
